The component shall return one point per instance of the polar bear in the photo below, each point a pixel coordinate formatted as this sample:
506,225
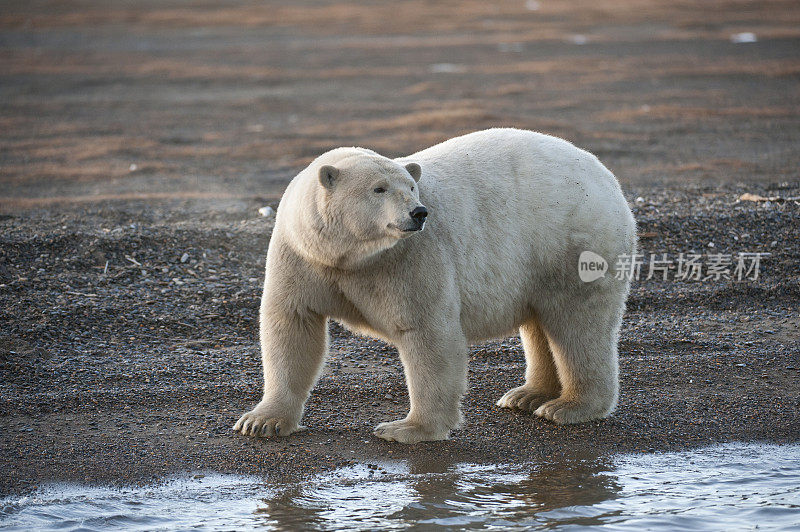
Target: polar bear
471,239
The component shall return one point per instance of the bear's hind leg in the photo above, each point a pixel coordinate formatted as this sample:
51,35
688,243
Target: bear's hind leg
583,339
541,378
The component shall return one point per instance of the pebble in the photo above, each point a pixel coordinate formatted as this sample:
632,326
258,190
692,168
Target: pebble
744,37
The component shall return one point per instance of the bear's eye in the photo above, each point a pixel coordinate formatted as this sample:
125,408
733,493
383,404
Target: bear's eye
379,190
412,188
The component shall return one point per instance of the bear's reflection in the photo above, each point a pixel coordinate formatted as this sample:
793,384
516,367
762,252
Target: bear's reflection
443,491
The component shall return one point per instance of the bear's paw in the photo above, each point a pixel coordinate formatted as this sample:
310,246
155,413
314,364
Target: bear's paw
405,431
523,398
263,422
565,411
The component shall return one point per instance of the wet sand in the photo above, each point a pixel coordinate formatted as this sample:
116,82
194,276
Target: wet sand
132,135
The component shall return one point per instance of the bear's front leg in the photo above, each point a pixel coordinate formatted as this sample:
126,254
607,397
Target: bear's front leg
293,347
436,376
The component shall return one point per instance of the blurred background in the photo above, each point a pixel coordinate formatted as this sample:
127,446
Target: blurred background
153,99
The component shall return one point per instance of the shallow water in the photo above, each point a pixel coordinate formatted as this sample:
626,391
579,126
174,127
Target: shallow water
726,487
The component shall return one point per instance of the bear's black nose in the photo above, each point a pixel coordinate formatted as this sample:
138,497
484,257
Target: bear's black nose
419,214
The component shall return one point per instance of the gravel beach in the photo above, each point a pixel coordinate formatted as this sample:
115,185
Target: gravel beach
139,142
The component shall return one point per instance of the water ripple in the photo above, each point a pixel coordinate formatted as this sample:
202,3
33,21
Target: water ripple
732,486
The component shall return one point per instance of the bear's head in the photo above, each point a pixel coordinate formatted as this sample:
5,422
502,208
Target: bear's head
352,204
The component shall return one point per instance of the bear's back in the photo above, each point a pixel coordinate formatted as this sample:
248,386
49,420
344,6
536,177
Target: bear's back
510,208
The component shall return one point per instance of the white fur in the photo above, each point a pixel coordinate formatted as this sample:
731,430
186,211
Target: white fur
510,212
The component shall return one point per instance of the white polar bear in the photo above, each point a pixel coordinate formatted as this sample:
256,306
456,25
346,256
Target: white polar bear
506,214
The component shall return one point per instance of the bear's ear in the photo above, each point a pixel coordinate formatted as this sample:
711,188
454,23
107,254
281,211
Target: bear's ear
415,170
328,175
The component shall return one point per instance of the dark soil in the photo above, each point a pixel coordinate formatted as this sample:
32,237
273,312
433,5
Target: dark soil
139,140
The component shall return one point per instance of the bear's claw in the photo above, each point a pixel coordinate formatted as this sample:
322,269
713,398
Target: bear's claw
404,431
259,423
563,411
523,398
